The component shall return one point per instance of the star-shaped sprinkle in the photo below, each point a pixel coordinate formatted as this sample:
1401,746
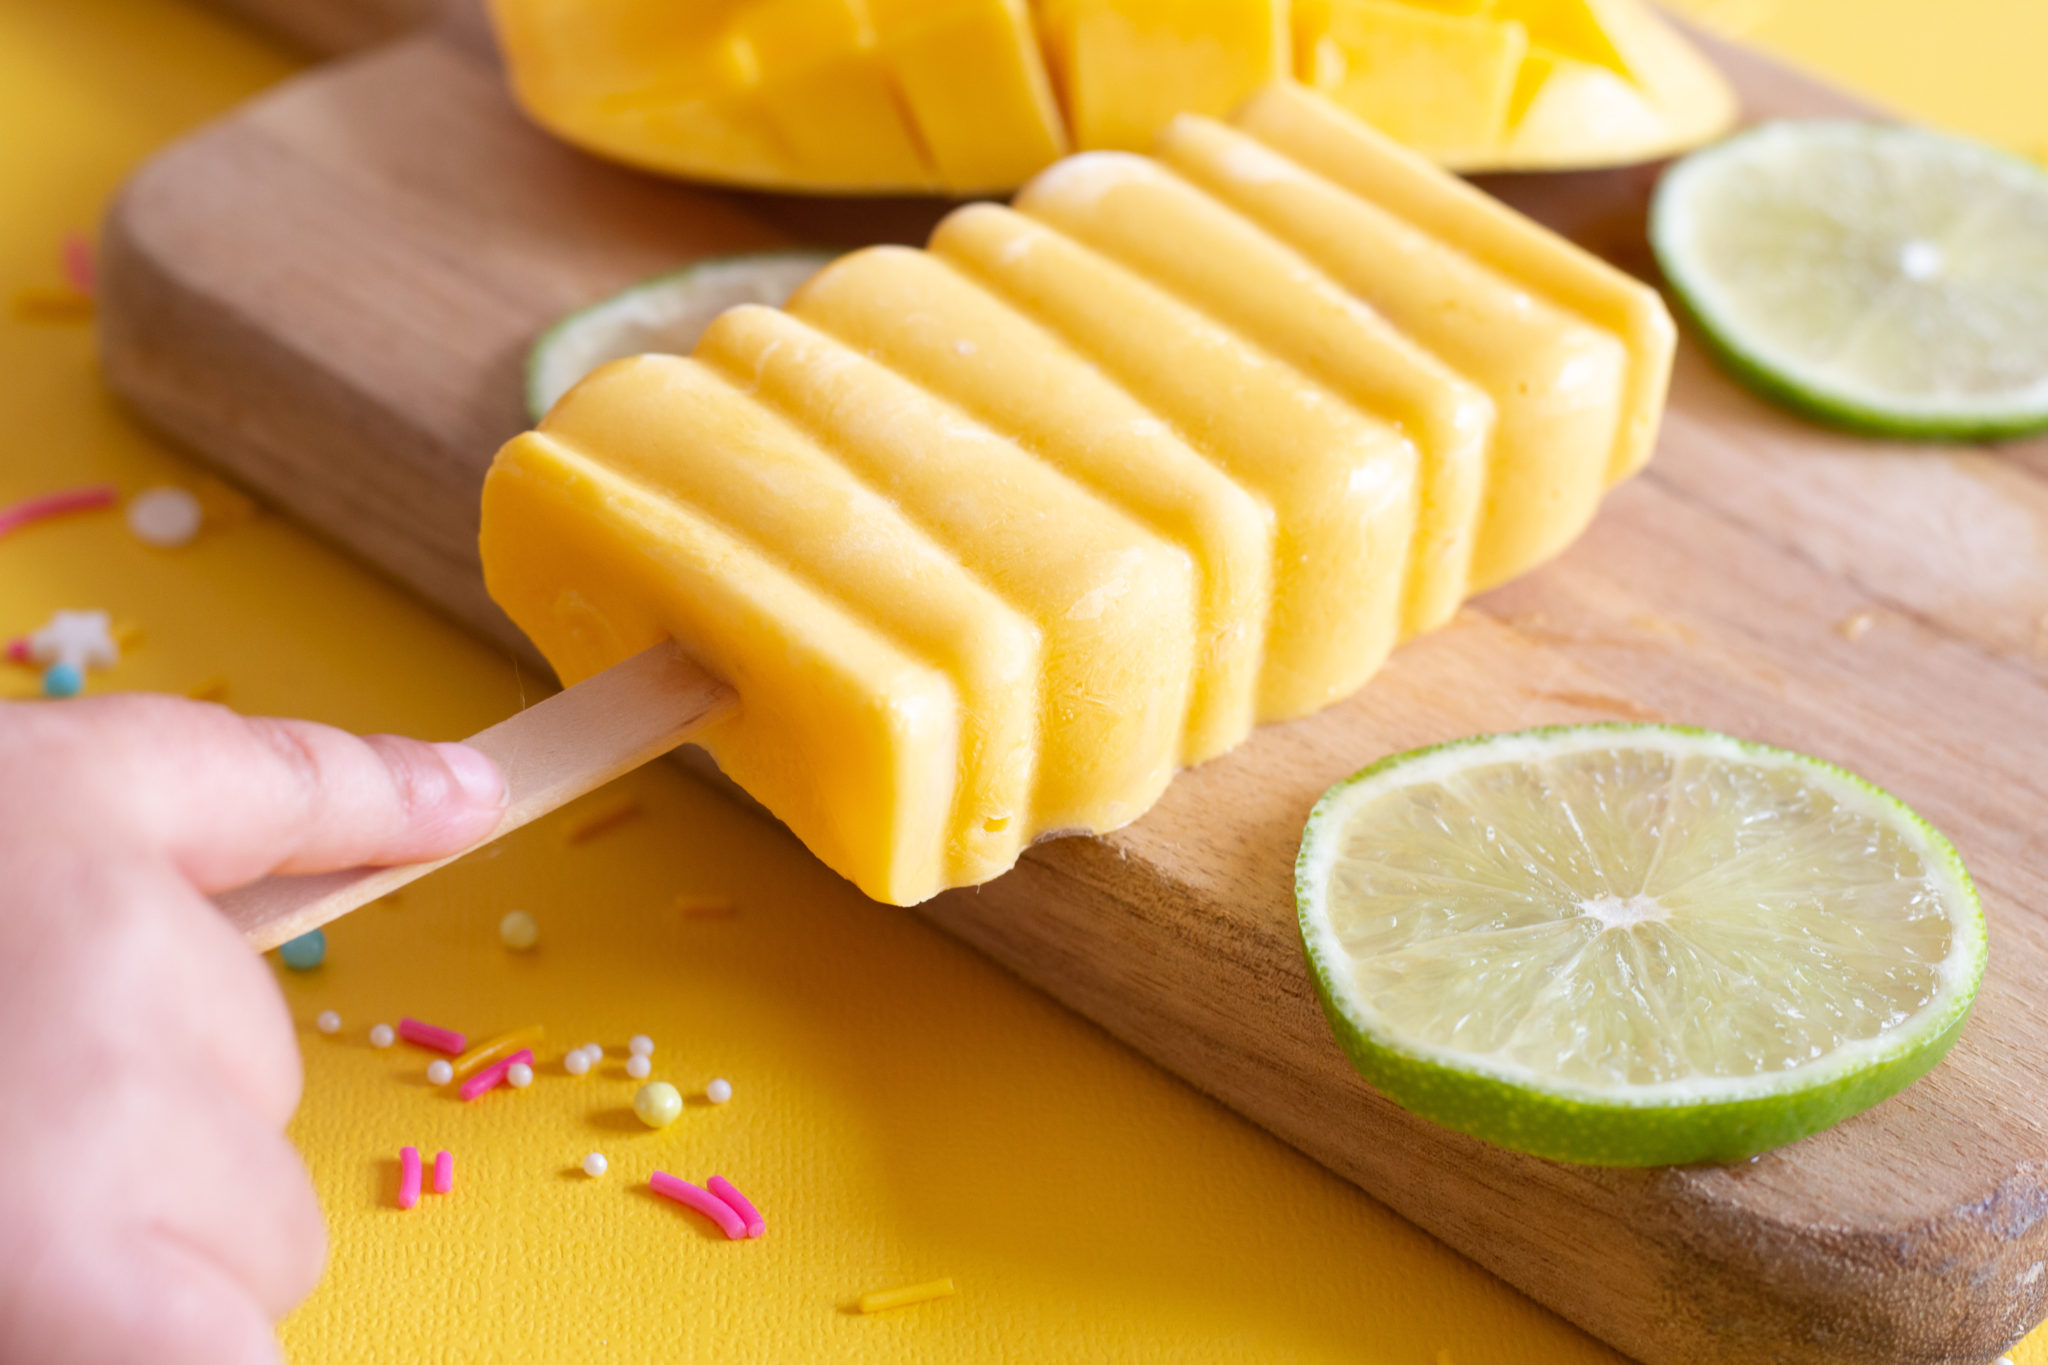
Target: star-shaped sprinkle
82,639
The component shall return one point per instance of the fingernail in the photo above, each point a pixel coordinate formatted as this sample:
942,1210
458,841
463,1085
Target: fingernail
474,773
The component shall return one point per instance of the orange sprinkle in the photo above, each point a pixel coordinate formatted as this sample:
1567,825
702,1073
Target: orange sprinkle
47,303
221,505
605,818
504,1045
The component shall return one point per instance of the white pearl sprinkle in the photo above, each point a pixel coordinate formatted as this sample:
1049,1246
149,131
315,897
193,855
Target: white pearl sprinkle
577,1063
440,1071
640,1045
166,517
594,1052
719,1091
382,1036
595,1165
328,1022
520,1075
519,930
639,1066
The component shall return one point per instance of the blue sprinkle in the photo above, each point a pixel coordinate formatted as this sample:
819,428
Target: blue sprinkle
63,680
305,952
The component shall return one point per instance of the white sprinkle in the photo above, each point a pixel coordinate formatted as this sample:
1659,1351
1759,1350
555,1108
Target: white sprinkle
577,1063
639,1066
519,930
595,1165
640,1045
520,1075
1921,260
594,1052
440,1071
382,1036
165,517
328,1022
719,1091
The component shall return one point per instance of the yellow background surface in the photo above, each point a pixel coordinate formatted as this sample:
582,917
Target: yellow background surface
902,1109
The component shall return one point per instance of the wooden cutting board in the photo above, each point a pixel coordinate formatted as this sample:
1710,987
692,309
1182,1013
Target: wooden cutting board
330,295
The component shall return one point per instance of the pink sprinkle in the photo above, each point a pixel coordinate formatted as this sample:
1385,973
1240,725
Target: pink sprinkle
705,1202
55,505
17,650
494,1075
426,1035
444,1172
408,1177
740,1204
76,253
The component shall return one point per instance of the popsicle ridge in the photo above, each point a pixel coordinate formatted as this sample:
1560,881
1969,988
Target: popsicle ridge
1114,604
1555,380
991,538
1273,299
919,315
1375,169
853,741
691,433
1343,485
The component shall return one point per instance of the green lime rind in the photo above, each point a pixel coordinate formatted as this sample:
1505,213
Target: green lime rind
1779,380
1838,411
711,272
1551,1123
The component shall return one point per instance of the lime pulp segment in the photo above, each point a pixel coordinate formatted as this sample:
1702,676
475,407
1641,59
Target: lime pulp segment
1885,278
1634,945
665,314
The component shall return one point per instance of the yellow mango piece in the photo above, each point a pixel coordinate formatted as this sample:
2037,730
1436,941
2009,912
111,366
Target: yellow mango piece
1136,212
845,126
1317,135
848,740
1556,379
1607,81
1566,28
823,89
1561,102
1114,605
1344,488
977,92
1439,82
1124,67
969,96
680,430
566,51
930,323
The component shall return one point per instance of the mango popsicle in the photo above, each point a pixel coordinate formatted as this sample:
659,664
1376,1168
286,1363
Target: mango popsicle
993,537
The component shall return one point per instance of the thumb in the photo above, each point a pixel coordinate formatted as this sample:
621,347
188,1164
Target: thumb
230,799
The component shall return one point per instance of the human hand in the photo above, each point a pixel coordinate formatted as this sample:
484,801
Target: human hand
150,1206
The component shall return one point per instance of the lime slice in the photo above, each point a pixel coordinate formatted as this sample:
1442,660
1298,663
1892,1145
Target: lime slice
665,314
1882,278
1634,945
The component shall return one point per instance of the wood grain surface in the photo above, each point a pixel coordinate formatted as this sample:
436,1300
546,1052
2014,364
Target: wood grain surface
330,294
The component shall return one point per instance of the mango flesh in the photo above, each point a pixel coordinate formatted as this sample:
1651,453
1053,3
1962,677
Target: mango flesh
993,537
973,96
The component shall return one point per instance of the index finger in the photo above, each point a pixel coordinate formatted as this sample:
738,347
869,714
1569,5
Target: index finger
229,799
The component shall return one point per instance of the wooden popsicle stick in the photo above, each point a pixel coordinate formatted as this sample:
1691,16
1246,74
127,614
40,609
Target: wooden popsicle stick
552,753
